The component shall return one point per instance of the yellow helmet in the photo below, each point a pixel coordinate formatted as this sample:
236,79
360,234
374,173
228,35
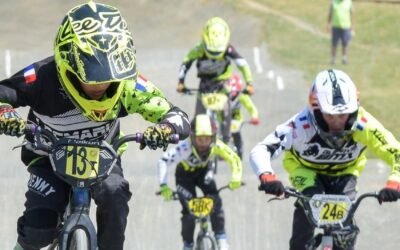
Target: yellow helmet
215,37
94,46
203,125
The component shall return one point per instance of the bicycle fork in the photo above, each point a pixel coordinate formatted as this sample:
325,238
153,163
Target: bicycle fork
78,219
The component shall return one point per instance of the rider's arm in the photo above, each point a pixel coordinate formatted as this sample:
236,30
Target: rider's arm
22,89
226,153
172,156
246,101
241,63
383,144
191,56
146,99
271,147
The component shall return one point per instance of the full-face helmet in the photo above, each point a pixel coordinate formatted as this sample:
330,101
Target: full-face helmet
215,37
203,125
333,93
93,46
235,85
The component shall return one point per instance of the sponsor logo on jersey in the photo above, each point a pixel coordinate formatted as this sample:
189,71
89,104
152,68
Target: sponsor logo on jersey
316,152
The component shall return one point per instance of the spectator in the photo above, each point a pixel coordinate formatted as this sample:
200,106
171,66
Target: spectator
342,25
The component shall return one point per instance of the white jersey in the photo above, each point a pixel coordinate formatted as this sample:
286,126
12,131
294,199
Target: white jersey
299,138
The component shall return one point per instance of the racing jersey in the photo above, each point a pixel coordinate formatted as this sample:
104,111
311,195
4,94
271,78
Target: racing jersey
188,158
214,69
38,87
303,147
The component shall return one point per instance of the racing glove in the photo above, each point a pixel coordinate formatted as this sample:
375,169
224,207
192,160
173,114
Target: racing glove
234,185
390,193
156,136
11,122
180,88
255,121
271,185
166,192
249,89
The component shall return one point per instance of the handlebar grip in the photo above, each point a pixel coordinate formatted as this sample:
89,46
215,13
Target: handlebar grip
174,139
139,137
30,129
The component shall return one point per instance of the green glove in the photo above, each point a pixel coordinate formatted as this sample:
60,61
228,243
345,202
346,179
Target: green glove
234,185
156,137
11,122
166,192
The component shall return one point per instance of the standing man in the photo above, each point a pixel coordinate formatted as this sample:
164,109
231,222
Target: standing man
342,25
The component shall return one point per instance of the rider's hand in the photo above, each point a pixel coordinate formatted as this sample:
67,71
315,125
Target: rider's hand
156,136
271,185
166,192
11,122
249,89
390,193
255,121
180,88
234,185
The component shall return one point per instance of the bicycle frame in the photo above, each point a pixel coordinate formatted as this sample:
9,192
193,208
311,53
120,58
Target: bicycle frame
217,103
334,214
96,160
77,218
201,208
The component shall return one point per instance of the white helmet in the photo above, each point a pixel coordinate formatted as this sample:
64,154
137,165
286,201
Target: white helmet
334,93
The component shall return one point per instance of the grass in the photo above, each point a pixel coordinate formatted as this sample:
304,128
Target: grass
373,53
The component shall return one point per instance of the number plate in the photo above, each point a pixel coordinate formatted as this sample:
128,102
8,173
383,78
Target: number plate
214,101
235,126
201,207
82,162
329,209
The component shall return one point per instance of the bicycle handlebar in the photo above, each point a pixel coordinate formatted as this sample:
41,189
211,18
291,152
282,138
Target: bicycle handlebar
291,192
175,194
35,130
189,91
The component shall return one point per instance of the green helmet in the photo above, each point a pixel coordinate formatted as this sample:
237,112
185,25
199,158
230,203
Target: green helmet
94,46
202,125
215,37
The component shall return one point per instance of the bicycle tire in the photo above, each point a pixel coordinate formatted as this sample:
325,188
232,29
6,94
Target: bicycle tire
206,242
78,241
326,243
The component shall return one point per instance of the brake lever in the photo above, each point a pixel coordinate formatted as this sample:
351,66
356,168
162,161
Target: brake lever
23,143
279,198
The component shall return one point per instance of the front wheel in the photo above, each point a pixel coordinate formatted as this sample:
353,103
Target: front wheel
206,242
78,241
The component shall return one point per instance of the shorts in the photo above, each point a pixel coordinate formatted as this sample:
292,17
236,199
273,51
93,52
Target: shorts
344,35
